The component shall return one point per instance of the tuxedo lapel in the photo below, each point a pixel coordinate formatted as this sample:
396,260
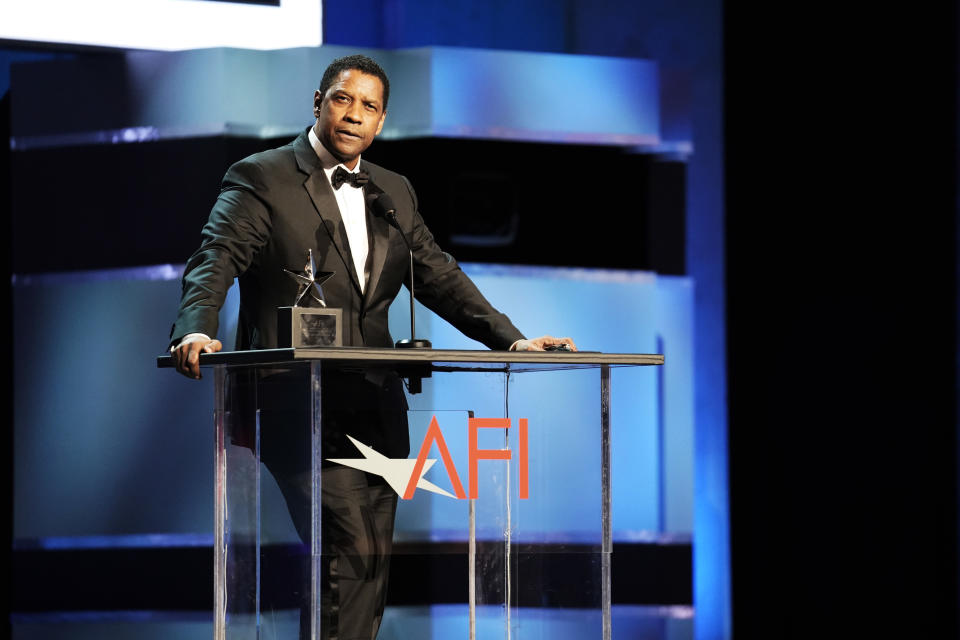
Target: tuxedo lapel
379,231
321,193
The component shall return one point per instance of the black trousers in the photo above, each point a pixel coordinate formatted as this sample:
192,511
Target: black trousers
357,509
358,528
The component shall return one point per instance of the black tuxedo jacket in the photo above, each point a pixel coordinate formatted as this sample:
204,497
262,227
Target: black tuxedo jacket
275,205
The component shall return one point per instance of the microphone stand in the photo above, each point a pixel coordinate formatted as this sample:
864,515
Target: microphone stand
412,342
382,204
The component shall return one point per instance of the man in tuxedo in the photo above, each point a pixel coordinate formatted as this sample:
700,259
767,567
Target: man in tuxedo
273,207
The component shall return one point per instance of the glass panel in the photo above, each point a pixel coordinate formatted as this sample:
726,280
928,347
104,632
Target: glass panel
542,554
264,528
236,540
553,546
531,544
474,528
286,495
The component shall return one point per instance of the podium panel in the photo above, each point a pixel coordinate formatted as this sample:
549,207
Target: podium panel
506,521
267,550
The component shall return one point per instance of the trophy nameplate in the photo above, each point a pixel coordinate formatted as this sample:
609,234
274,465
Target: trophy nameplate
302,326
305,327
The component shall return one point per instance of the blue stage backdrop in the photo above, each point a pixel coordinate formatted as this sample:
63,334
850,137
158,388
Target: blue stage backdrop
112,451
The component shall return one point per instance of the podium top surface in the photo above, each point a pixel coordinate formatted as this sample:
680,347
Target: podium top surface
434,359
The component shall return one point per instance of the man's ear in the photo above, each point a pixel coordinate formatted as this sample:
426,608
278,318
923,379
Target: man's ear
383,116
317,99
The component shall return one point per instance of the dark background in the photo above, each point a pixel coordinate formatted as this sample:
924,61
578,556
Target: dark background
841,253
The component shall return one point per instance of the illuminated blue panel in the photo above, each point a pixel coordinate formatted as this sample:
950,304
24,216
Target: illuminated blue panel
439,92
612,311
544,97
399,623
149,95
104,442
108,445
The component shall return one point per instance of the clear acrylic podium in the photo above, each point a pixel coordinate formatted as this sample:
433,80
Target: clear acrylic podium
530,555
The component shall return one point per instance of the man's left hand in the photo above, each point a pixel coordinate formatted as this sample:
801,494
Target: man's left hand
541,344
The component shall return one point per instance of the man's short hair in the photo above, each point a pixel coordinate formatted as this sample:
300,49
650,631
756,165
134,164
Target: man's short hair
360,63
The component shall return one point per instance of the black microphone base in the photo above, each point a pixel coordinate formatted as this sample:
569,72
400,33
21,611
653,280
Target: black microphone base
415,343
416,373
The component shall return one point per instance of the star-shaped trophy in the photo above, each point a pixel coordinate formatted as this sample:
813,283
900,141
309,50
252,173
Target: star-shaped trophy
309,281
303,326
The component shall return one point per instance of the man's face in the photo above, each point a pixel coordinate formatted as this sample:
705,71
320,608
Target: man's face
350,115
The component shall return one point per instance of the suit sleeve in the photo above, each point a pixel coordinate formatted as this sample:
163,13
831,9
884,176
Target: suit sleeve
447,291
238,227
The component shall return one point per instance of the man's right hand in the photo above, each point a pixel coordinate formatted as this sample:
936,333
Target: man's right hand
187,355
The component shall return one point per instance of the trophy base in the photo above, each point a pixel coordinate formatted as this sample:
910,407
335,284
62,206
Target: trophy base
303,327
416,343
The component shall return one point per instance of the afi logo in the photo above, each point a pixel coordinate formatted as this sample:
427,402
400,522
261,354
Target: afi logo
405,475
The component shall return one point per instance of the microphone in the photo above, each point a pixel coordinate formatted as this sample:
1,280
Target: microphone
382,205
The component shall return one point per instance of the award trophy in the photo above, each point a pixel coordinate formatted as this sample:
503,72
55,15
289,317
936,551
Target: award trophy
309,326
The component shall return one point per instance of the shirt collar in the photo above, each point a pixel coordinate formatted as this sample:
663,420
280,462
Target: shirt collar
327,161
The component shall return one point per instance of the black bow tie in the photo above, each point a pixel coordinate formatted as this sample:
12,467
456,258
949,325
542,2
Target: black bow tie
341,175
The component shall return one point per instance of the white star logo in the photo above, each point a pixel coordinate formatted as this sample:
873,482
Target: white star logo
396,471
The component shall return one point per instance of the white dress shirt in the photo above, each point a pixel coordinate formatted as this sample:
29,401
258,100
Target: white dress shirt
353,209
